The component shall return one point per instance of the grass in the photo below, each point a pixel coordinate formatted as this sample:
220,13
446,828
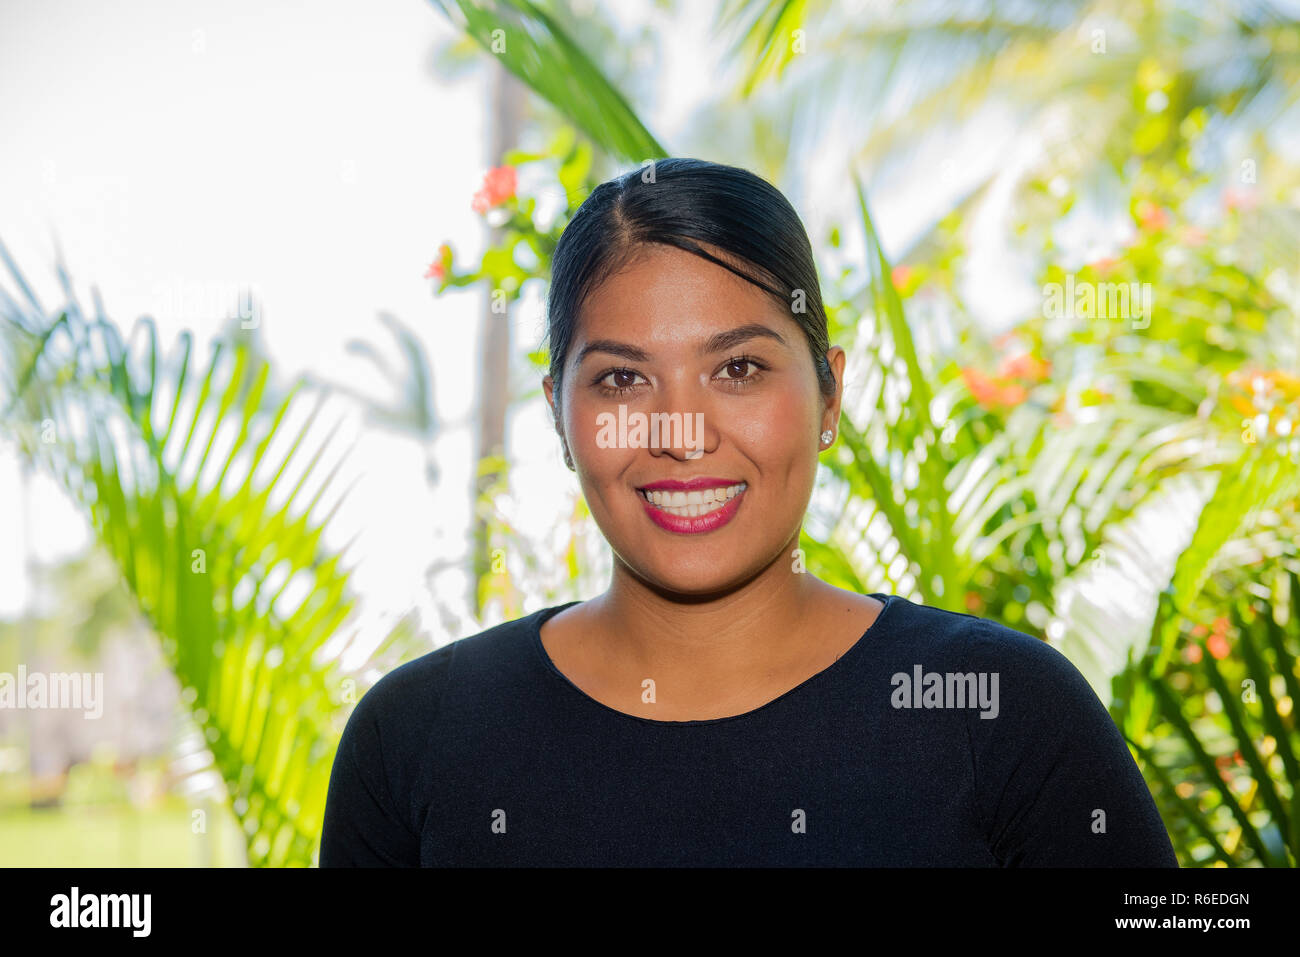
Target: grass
119,835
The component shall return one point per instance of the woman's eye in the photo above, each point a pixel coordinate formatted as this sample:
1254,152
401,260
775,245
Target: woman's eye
619,379
738,369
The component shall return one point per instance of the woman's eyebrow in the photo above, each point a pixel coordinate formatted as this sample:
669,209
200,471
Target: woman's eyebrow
734,337
615,348
718,342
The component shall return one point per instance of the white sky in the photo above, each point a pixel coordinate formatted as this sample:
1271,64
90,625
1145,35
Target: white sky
181,151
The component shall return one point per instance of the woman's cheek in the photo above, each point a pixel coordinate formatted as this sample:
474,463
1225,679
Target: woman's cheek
602,466
774,429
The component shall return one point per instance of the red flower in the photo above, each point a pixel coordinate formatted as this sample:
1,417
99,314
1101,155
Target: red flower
498,186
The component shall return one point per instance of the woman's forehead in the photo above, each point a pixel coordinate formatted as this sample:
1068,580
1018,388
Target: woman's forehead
673,292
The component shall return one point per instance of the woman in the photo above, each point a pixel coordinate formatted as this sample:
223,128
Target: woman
717,705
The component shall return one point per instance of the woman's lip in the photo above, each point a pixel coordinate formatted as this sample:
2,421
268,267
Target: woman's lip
692,524
688,485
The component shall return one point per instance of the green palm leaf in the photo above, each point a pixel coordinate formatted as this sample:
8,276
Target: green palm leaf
930,493
203,492
1227,772
532,45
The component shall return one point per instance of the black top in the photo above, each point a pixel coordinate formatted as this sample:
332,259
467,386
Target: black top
483,753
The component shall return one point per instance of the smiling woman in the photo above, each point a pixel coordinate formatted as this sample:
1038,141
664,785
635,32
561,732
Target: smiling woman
717,704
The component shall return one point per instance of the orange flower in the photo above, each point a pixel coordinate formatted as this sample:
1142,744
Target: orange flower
1151,217
1005,340
438,268
498,186
1285,382
899,276
991,393
1234,198
1243,406
1218,645
1024,366
1271,393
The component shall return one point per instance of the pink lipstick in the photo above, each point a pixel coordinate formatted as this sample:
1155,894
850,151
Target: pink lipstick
692,506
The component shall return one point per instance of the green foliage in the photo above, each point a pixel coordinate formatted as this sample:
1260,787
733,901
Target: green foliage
198,487
982,485
530,42
986,486
1215,725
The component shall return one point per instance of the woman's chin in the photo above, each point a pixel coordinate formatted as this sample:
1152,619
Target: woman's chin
702,582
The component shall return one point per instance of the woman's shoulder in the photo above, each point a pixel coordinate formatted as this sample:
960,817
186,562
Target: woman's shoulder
474,663
957,641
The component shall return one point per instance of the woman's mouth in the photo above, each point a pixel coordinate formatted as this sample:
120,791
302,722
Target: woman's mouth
697,510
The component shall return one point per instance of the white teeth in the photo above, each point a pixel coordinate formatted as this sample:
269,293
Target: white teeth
694,504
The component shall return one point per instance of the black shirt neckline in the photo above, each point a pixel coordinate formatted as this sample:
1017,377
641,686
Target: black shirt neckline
535,639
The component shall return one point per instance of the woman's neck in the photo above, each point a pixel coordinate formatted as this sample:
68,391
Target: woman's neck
707,656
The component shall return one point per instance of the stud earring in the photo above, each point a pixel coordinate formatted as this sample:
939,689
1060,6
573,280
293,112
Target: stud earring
827,436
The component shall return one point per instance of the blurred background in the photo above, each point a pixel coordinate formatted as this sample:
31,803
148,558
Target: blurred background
271,317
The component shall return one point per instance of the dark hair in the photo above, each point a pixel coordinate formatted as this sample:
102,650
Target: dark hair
676,202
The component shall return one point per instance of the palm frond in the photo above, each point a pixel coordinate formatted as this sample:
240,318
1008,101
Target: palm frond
532,45
1215,727
213,501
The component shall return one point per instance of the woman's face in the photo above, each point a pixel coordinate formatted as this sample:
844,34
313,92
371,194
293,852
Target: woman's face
674,333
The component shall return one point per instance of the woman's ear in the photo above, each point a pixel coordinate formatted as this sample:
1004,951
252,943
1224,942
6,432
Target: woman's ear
548,387
836,358
553,400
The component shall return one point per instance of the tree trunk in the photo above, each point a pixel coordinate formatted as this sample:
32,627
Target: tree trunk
505,108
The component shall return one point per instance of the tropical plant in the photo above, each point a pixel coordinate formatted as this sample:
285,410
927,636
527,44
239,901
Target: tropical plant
532,43
1091,83
211,500
996,491
1214,724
